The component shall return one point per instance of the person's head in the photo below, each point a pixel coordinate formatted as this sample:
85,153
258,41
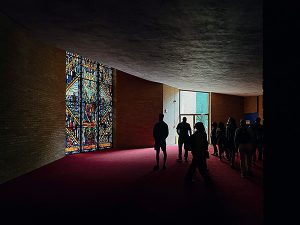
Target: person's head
199,127
243,123
221,125
214,125
184,119
231,122
161,117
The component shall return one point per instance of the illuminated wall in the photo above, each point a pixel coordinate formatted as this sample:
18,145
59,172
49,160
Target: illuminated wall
32,102
88,105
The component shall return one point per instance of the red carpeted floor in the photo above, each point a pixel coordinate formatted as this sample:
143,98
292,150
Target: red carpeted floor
119,187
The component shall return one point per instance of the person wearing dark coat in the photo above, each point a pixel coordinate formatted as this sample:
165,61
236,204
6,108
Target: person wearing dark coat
213,138
184,131
221,139
258,133
160,133
199,147
230,132
244,143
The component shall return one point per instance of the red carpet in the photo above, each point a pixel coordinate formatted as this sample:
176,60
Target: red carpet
119,187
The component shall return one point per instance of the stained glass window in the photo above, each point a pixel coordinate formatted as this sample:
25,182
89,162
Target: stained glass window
88,105
105,107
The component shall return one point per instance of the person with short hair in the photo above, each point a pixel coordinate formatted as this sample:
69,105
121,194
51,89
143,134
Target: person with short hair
258,132
221,139
184,131
160,133
213,137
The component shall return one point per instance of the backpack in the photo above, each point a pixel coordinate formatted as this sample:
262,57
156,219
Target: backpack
244,136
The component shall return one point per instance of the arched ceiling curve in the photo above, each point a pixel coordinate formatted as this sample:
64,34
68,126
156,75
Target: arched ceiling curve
207,45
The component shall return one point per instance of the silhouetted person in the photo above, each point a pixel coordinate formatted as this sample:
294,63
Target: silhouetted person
243,141
258,144
160,133
230,133
184,131
221,139
199,148
213,138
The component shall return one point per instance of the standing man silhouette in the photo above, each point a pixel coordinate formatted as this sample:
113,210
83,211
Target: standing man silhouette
184,131
160,133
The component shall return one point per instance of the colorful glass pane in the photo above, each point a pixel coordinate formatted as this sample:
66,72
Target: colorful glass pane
89,116
88,105
89,138
72,144
105,108
105,74
72,113
89,69
73,66
72,127
89,91
73,91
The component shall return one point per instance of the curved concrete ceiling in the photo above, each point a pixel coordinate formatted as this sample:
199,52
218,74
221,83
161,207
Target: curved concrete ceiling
208,45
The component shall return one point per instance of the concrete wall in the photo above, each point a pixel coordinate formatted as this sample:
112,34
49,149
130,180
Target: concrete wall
137,104
32,102
171,111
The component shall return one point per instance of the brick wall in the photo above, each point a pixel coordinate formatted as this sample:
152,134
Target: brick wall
32,102
254,104
250,104
223,106
137,103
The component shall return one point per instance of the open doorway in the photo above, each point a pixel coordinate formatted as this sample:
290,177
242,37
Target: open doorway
194,105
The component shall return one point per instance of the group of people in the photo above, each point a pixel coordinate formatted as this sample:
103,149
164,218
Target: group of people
196,143
226,140
246,140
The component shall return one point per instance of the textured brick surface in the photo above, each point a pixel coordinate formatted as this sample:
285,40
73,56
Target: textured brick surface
250,104
32,105
137,105
223,106
254,104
